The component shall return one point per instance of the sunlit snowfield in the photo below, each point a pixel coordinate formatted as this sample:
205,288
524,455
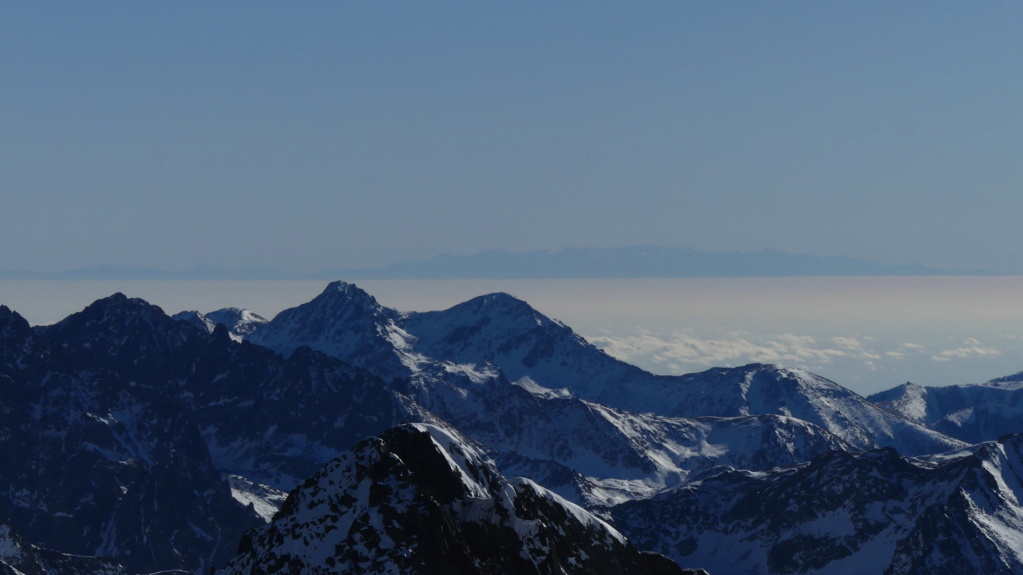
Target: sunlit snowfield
867,333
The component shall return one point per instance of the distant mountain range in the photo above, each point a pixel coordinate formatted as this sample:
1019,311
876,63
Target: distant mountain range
580,263
343,436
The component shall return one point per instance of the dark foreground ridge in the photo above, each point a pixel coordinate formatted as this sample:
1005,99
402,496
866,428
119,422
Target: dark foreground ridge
421,500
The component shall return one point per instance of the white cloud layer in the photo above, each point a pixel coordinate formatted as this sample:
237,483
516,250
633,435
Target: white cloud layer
684,348
682,351
971,348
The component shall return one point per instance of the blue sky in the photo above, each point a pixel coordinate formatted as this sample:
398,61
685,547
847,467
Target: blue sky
322,134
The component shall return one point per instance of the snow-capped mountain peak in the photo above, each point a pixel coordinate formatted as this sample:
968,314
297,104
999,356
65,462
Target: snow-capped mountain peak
908,400
498,304
344,322
545,355
198,319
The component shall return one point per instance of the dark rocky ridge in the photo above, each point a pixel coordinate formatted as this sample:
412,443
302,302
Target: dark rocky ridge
421,500
118,423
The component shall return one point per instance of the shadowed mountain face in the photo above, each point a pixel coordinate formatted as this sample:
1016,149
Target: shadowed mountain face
118,423
19,557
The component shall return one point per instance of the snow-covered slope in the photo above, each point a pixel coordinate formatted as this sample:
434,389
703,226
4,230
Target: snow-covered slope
612,455
423,500
759,388
972,413
197,319
524,343
874,512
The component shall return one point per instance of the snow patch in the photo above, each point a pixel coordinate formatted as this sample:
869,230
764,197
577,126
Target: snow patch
265,500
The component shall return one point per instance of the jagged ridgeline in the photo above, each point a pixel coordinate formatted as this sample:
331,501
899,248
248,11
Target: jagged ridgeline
346,437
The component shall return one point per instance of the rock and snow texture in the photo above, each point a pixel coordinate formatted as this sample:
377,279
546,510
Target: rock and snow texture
971,413
758,388
610,455
526,345
99,451
422,500
875,512
599,456
264,499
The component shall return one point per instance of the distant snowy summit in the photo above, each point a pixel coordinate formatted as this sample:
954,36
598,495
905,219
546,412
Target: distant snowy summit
569,263
239,322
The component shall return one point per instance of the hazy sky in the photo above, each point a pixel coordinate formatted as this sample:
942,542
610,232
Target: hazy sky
314,135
